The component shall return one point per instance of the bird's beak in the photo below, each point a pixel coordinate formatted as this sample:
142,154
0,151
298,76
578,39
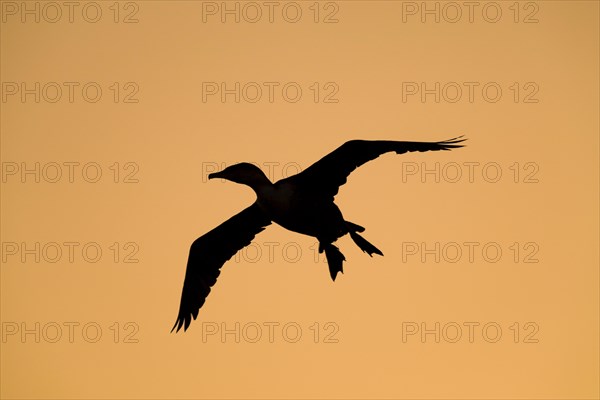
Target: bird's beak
215,175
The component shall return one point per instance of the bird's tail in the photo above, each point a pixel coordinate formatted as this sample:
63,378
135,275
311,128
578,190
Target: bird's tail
335,259
361,241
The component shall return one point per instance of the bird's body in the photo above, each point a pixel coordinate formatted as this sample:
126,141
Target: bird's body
287,205
278,200
302,203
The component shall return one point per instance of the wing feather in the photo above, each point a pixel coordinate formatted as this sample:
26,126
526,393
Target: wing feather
329,173
207,255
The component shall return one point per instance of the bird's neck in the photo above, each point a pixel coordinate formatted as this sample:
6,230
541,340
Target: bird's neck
259,183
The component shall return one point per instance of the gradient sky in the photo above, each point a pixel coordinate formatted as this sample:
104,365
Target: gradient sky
162,123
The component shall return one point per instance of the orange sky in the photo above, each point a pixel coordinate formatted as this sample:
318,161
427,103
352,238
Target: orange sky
151,106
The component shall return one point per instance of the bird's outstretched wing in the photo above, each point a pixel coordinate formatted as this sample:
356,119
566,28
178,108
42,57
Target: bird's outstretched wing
208,253
329,173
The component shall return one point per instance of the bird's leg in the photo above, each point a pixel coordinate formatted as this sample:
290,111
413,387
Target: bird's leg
335,259
360,241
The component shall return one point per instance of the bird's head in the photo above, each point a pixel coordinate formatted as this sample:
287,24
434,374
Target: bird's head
244,173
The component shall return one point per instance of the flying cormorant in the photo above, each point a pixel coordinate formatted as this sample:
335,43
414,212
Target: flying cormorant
302,203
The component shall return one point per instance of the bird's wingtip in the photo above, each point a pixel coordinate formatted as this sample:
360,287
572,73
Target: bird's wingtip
457,139
181,322
453,143
176,325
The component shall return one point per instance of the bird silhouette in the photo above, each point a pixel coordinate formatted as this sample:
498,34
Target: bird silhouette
302,203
